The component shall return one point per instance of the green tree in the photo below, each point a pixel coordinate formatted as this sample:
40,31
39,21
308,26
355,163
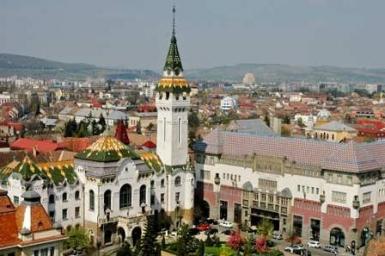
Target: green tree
300,122
95,128
83,130
185,243
138,128
265,228
78,238
249,246
201,249
125,250
102,122
267,120
286,119
148,244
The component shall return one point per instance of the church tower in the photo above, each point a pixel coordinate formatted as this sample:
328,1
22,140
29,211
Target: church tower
173,104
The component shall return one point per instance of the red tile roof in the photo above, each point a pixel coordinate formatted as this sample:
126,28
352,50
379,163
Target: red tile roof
42,146
8,227
149,144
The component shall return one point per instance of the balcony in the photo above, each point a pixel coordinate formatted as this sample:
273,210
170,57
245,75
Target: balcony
107,220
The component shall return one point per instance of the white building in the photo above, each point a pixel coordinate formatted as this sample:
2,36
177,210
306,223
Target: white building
228,103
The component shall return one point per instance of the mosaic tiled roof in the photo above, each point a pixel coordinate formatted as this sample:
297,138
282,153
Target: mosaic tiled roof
57,172
350,157
107,149
151,159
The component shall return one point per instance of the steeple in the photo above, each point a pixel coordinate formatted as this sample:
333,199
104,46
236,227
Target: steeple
173,60
173,80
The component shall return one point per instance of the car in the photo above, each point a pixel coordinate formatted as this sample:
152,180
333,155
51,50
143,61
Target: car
226,224
277,235
212,231
212,221
302,252
330,248
313,244
294,248
203,227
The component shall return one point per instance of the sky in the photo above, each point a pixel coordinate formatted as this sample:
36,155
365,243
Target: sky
136,33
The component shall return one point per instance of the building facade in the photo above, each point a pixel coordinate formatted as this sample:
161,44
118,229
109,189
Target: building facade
319,190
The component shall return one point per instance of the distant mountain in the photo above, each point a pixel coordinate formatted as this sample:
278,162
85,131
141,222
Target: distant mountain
12,64
282,73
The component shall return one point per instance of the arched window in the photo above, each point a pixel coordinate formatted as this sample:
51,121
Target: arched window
177,181
162,183
92,200
51,199
125,196
107,200
77,195
64,197
142,194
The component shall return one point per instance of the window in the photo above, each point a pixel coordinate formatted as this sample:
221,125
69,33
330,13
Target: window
162,198
64,197
177,181
16,200
366,197
44,252
299,188
52,215
152,199
152,184
180,130
52,251
142,194
317,191
36,253
339,178
338,197
77,195
64,214
107,200
312,190
164,129
92,200
51,199
77,212
177,197
162,183
349,180
125,196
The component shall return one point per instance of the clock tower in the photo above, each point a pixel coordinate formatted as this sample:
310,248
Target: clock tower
173,104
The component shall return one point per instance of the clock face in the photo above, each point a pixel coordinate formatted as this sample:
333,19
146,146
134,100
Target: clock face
176,72
168,72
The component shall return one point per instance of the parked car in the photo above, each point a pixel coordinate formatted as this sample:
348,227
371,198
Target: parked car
212,231
330,248
313,244
277,235
212,221
302,252
203,227
226,224
294,248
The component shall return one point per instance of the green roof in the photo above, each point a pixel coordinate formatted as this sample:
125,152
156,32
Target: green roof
107,149
173,60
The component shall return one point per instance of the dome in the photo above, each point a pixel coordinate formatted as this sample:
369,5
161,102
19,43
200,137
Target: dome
107,149
248,79
323,114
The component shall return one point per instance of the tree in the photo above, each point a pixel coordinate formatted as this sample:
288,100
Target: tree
148,245
150,127
185,243
265,229
300,122
95,128
125,250
201,249
293,239
267,120
286,119
78,238
248,248
102,122
83,130
138,127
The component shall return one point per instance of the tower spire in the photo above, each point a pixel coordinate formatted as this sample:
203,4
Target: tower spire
173,20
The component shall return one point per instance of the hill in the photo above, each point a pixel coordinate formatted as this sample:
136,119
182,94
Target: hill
285,73
12,64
